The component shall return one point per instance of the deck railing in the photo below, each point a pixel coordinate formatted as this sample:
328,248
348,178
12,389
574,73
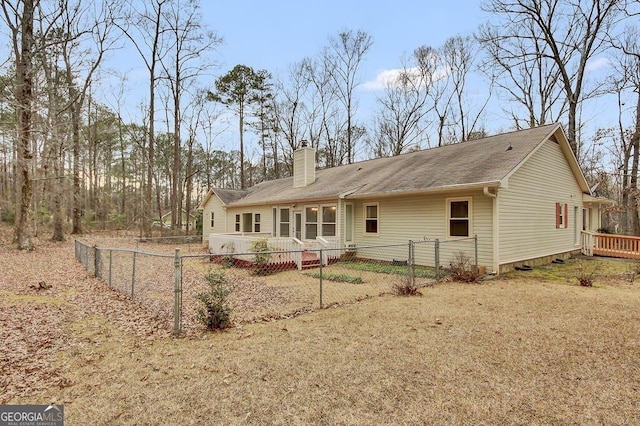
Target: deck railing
611,245
281,249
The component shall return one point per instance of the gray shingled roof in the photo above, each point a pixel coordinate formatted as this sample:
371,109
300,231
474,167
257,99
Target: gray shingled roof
483,161
229,195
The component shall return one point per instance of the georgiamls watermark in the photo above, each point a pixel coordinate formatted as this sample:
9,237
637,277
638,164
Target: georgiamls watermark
32,415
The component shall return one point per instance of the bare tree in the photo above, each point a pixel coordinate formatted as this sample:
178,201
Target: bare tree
191,44
145,28
627,79
459,55
322,115
83,25
290,111
567,34
402,108
533,85
343,57
19,17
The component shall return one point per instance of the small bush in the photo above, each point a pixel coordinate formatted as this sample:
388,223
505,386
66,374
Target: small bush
635,271
7,215
262,257
215,312
228,260
586,276
461,269
406,288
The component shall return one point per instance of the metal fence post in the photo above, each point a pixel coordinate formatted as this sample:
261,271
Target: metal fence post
475,248
320,278
411,265
95,261
133,274
177,292
110,265
98,262
437,258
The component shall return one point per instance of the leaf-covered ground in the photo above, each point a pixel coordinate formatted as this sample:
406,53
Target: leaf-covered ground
41,293
527,348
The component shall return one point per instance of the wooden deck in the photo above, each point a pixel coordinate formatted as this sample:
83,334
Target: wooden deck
610,245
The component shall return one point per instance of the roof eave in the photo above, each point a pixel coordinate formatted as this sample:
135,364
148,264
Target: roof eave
590,199
279,202
434,190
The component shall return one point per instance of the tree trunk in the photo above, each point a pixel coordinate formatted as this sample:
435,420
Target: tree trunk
634,221
24,96
241,125
176,204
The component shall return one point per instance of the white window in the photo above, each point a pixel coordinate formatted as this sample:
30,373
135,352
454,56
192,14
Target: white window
246,222
256,222
561,215
213,219
459,217
284,222
348,222
237,223
310,223
329,221
371,219
274,222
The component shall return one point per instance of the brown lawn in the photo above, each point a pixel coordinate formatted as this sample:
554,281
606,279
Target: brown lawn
528,348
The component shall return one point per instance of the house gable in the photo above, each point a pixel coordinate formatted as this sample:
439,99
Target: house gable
556,135
528,206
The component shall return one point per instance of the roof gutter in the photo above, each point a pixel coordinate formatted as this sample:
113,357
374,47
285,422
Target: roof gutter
439,189
495,227
486,192
348,192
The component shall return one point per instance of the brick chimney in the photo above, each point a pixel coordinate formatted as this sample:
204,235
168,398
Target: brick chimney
304,165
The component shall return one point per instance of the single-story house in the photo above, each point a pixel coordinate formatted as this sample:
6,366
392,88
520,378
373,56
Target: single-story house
165,220
521,193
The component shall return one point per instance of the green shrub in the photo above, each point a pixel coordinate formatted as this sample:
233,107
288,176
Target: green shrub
340,278
8,215
262,256
383,268
215,312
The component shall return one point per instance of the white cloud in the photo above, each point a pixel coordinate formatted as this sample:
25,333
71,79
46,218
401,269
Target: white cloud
383,79
597,64
389,78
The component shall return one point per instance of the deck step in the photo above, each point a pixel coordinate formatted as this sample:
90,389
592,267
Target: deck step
310,265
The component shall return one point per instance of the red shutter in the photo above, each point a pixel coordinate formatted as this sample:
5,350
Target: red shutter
558,213
566,215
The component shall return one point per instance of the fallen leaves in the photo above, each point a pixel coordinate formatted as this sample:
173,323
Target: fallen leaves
43,291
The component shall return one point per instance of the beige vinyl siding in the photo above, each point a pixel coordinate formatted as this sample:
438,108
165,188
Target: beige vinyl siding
213,205
528,207
266,218
424,217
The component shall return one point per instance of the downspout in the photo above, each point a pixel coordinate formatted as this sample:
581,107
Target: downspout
496,225
341,212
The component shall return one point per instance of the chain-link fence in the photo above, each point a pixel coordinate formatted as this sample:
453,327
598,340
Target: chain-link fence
267,283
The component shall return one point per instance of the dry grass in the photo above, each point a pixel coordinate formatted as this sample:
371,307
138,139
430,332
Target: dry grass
522,349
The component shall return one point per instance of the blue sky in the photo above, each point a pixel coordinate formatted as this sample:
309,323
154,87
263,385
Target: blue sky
273,36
